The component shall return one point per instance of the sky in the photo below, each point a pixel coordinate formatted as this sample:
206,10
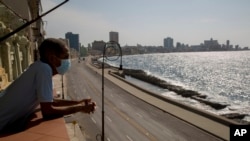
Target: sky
148,22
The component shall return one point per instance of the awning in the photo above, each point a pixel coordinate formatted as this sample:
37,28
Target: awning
19,7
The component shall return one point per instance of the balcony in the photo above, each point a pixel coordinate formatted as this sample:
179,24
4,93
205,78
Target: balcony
48,130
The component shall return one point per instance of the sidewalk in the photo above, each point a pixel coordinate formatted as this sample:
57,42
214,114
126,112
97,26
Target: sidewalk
60,91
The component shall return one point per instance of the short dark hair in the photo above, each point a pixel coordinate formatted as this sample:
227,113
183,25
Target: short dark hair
51,45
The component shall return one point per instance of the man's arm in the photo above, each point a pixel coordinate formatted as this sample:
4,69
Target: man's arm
63,102
50,111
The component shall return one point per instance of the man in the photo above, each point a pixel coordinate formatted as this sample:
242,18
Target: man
34,86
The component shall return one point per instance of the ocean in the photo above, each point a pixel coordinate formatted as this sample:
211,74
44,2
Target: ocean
223,76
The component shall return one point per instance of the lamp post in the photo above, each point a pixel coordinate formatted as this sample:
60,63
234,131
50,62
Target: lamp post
62,88
112,52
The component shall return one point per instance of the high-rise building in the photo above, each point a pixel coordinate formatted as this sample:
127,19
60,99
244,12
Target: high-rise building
168,43
114,36
73,40
228,44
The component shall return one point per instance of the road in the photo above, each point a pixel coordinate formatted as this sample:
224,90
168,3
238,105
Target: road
127,118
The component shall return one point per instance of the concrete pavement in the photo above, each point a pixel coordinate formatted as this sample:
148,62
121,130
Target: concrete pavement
213,124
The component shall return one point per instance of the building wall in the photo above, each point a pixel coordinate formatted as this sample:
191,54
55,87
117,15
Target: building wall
98,46
18,51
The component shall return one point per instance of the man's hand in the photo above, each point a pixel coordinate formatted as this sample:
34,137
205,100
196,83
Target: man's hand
89,107
85,101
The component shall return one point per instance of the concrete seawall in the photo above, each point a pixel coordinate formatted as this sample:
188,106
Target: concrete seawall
214,117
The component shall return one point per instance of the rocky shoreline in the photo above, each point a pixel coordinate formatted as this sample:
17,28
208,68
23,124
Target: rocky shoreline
141,75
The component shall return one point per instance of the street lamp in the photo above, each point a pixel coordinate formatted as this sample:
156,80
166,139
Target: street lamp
112,52
62,87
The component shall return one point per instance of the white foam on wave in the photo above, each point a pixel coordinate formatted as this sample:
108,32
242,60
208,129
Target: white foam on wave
187,101
234,107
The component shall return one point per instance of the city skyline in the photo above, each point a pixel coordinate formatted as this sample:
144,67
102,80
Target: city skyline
148,22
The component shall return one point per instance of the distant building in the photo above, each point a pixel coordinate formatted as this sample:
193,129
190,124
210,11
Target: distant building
114,36
168,43
210,42
73,40
228,43
98,46
212,45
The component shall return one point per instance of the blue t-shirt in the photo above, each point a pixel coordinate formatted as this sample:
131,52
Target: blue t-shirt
22,96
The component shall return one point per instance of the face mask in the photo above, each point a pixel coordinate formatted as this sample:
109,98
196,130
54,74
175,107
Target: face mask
65,65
